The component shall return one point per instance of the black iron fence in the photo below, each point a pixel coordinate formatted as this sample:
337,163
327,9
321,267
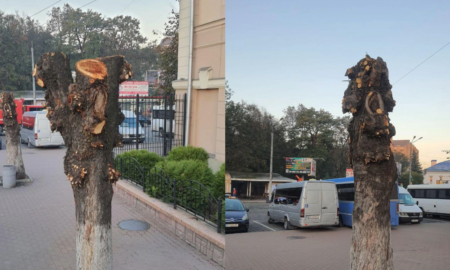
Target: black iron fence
190,195
156,124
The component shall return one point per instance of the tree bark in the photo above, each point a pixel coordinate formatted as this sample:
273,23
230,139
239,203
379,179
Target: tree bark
369,98
12,132
87,115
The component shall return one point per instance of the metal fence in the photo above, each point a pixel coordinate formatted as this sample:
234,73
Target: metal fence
192,196
156,124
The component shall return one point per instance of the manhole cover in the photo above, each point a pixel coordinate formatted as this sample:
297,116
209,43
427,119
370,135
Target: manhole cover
134,225
296,237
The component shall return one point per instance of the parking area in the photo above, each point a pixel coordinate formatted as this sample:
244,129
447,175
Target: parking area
269,246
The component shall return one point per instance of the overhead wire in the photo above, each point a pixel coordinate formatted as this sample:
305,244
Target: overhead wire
127,6
421,63
45,8
88,4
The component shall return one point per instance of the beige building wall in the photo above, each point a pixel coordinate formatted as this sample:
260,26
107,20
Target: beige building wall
436,178
207,118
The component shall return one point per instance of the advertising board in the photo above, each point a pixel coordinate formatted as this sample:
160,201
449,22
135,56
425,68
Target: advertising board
133,88
301,166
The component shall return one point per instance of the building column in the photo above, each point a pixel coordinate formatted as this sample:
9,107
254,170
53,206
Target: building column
250,195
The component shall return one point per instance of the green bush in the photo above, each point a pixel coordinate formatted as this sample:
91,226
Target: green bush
187,153
145,158
219,183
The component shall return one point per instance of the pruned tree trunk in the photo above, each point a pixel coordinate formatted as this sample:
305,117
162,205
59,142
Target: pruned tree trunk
12,132
87,115
369,98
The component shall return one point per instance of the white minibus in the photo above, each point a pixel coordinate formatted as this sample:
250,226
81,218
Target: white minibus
305,204
432,199
35,131
409,212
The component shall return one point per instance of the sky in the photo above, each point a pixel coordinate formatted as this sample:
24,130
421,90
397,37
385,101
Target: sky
151,13
283,53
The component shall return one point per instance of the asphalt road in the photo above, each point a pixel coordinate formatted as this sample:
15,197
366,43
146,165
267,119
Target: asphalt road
259,222
268,246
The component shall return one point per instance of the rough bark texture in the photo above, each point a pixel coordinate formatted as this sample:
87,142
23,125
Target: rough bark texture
87,114
12,132
369,98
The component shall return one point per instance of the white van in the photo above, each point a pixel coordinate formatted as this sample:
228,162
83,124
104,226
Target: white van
159,113
432,199
408,211
35,130
128,128
305,204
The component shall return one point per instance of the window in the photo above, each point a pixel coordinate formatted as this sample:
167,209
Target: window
412,192
431,194
444,194
288,195
346,192
417,193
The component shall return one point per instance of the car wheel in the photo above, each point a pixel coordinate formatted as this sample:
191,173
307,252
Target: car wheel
436,216
270,220
341,221
287,224
161,133
29,143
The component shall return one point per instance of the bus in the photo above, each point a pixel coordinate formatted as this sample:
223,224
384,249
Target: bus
346,194
432,199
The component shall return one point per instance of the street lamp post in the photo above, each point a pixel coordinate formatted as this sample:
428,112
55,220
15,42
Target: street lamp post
410,156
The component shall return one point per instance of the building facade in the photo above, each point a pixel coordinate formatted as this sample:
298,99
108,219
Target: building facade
206,122
404,146
438,173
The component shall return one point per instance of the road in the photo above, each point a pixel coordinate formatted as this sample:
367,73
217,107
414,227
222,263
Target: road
269,246
37,225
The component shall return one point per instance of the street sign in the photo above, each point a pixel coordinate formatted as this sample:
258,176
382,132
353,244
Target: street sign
301,166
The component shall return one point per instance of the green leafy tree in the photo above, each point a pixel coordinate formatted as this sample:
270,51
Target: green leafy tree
168,54
415,164
400,157
417,179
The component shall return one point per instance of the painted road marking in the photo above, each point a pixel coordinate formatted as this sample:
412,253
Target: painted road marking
265,226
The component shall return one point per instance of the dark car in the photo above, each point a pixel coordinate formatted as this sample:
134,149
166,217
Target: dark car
236,217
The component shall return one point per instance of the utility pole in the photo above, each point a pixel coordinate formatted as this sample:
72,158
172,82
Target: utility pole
271,164
410,156
32,68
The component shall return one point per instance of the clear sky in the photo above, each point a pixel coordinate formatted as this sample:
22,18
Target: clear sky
151,13
282,53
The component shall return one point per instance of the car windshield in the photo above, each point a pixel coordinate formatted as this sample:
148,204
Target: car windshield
405,198
233,205
129,122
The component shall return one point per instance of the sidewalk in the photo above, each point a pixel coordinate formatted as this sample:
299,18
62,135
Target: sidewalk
37,225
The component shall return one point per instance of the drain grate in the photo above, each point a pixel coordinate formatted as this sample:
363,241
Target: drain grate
134,225
296,237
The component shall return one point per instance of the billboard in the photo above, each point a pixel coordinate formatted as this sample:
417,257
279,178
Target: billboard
349,172
132,88
301,166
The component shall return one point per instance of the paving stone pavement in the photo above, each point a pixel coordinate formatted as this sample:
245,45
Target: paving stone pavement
37,225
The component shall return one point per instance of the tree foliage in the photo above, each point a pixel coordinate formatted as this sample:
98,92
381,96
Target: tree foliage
79,35
417,179
415,164
302,132
168,54
400,157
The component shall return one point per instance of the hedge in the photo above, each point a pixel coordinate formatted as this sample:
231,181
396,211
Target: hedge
188,153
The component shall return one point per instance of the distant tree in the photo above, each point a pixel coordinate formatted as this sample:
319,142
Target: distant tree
168,55
228,91
400,157
415,164
417,179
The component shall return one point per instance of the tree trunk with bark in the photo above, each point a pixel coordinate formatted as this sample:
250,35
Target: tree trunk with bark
12,133
87,115
369,98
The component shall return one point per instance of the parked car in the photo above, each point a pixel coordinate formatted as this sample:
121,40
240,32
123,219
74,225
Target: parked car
305,204
35,131
144,121
409,212
236,217
128,129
